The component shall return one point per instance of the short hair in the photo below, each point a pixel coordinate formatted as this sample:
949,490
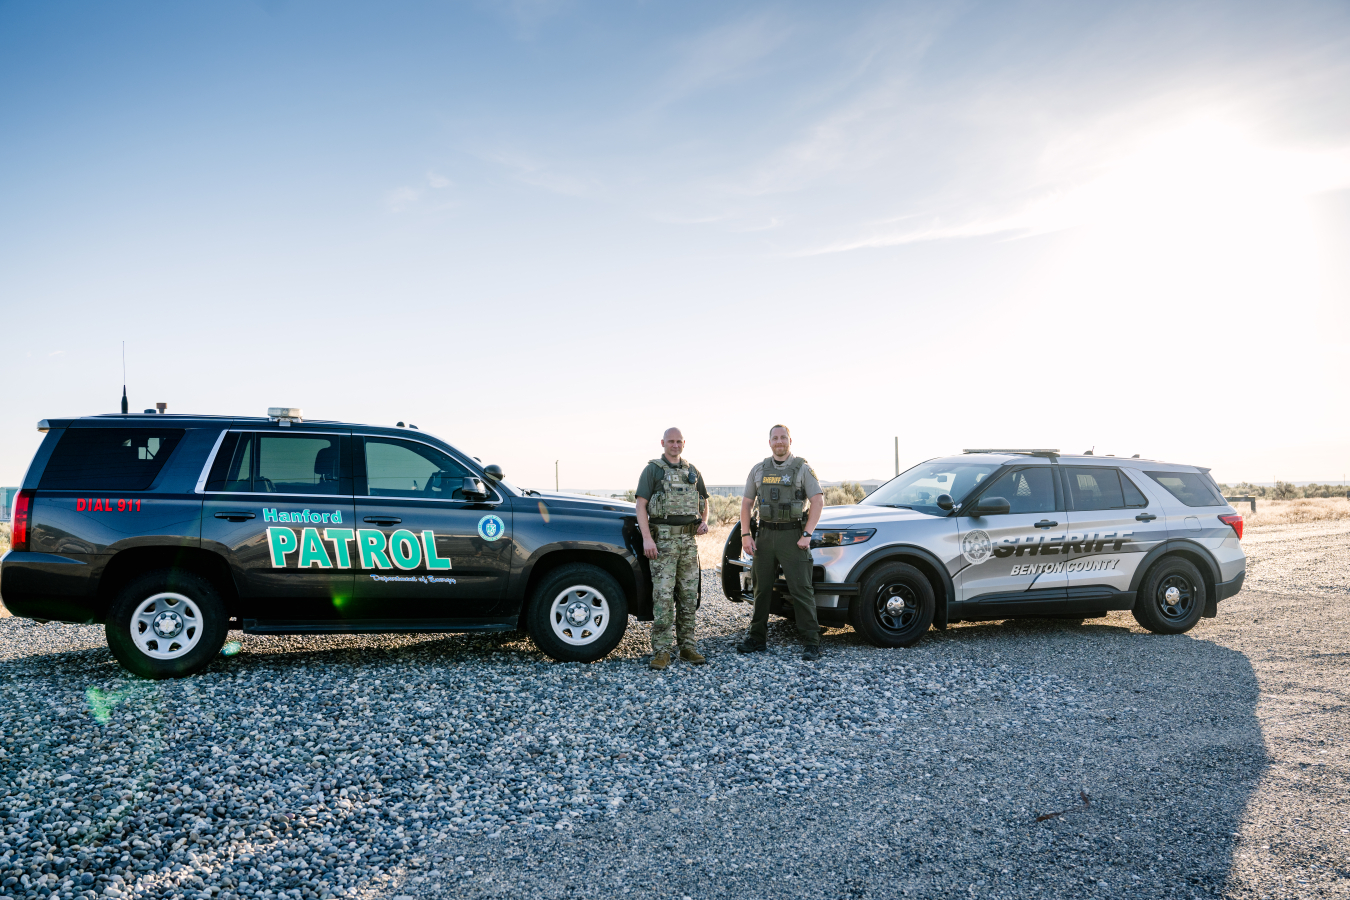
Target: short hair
669,430
784,427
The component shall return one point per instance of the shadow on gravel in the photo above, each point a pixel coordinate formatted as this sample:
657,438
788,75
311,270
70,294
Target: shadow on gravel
1148,746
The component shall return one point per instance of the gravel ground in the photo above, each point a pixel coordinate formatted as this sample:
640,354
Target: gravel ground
1208,764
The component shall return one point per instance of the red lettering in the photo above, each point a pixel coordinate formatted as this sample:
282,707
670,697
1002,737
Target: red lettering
79,505
121,505
138,506
98,505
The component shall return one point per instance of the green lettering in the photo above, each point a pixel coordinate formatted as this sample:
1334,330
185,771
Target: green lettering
433,561
340,538
403,547
371,541
312,552
281,541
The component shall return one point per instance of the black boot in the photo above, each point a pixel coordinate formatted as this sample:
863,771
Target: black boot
751,644
811,653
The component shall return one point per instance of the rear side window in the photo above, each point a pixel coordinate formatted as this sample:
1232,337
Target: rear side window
1096,487
282,464
1191,488
109,459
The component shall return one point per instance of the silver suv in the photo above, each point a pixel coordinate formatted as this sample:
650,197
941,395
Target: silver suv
996,534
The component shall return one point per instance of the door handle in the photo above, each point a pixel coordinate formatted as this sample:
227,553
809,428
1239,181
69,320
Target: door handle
382,520
235,515
1046,523
1145,517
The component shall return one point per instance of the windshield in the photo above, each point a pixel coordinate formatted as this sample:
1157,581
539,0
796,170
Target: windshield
920,487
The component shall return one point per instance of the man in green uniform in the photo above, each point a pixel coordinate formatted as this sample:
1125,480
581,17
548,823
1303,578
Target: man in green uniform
672,507
790,501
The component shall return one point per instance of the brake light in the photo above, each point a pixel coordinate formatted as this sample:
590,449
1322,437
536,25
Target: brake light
1234,522
19,522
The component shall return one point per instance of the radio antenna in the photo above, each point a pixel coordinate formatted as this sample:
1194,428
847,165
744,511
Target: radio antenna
124,378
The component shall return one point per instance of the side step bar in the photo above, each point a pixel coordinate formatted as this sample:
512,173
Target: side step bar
375,626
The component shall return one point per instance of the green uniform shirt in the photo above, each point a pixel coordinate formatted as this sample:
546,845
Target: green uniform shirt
649,480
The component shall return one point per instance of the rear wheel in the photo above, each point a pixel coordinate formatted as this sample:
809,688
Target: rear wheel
1173,597
578,613
166,624
895,606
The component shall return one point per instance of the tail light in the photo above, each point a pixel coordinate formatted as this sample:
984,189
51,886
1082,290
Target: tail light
21,520
1234,522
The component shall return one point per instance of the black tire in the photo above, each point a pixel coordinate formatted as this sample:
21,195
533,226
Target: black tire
1172,598
895,606
584,589
188,609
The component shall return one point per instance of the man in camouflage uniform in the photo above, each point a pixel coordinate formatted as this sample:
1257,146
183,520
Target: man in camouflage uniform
672,507
790,502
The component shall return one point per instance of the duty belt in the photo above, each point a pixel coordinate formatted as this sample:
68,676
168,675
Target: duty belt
662,531
782,526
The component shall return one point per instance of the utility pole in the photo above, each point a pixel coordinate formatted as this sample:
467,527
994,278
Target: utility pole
897,454
555,476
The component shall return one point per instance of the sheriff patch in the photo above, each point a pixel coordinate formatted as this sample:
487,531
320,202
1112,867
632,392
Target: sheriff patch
773,479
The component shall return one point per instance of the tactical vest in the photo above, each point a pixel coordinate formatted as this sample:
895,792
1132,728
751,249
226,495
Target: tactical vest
677,494
781,492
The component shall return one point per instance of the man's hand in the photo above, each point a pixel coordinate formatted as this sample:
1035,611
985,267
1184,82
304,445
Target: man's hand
649,548
804,542
702,528
748,544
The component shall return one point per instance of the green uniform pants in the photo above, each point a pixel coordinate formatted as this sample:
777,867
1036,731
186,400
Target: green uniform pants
774,548
675,575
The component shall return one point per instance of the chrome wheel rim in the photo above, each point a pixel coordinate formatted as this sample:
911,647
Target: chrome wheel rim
166,626
579,615
897,607
1176,597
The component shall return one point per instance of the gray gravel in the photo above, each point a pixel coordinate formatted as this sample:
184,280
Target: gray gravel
1200,765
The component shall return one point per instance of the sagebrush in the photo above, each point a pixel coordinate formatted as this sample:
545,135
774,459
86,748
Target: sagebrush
1283,490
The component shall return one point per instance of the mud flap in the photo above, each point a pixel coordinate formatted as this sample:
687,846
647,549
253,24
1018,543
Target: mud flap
1211,609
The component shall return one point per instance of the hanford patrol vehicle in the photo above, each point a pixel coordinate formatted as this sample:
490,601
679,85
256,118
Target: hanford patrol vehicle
171,529
996,534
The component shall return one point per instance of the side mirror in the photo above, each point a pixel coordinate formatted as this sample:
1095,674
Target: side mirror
474,490
493,473
944,502
992,506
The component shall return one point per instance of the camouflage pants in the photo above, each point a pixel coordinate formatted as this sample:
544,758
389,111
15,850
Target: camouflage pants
675,575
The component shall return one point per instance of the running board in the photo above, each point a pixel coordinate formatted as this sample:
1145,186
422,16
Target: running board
375,626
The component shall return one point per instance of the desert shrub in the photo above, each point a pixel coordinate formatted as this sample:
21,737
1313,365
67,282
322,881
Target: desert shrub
845,494
4,537
723,510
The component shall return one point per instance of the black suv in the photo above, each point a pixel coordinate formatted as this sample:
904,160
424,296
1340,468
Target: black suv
170,529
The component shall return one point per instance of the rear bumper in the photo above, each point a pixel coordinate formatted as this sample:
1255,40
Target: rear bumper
1225,589
47,586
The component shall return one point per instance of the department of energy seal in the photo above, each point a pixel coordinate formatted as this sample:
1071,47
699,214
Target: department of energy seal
490,528
976,547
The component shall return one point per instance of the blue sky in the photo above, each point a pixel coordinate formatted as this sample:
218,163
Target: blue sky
546,231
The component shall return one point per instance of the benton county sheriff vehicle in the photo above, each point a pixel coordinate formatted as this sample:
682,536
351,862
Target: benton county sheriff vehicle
172,529
996,534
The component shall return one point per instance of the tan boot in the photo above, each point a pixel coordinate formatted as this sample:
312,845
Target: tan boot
690,655
660,660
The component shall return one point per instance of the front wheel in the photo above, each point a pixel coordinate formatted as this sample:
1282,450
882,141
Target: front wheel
895,606
1173,597
578,613
166,624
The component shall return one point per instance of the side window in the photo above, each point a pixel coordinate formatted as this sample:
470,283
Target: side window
1095,488
109,459
297,463
1191,488
233,468
1134,498
397,468
1026,490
